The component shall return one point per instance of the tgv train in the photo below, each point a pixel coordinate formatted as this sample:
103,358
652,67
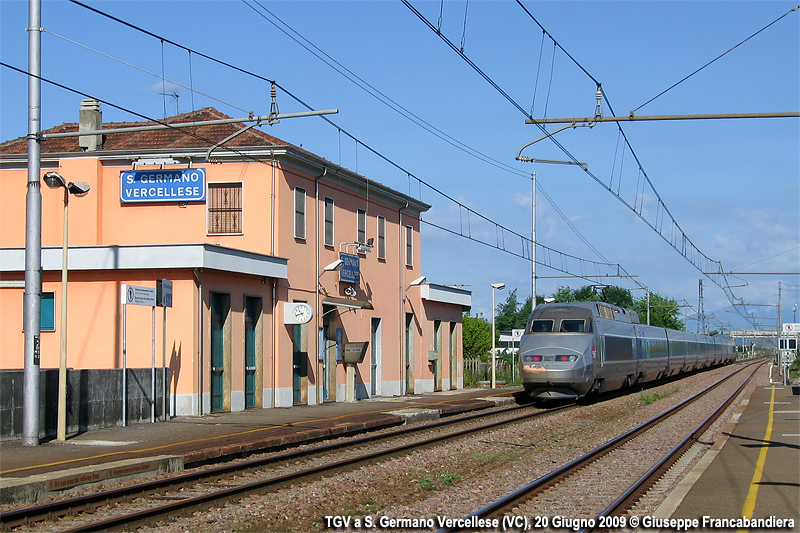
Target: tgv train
570,350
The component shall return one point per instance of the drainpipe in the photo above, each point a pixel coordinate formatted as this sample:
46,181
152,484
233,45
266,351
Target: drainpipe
318,313
272,208
274,281
199,342
400,263
274,340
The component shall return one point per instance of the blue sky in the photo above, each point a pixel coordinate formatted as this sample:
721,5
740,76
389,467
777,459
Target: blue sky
732,186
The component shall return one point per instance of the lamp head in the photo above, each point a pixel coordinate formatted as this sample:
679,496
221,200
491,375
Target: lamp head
78,188
336,265
419,281
54,180
498,286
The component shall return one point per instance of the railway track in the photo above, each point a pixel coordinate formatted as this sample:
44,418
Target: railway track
540,504
149,502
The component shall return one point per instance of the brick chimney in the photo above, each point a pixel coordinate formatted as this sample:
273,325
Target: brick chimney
91,119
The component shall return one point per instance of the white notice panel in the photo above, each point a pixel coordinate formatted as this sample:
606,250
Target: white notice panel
136,295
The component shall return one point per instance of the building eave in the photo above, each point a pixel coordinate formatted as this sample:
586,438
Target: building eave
152,257
447,295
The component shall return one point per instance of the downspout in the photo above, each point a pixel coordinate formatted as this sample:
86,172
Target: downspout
199,342
400,263
318,313
274,340
274,343
272,208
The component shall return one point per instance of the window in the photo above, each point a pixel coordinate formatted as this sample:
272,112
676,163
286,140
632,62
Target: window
47,320
542,326
328,221
361,225
572,326
409,246
606,312
381,237
299,213
224,208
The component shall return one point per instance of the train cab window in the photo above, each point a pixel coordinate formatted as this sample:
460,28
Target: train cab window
542,326
569,325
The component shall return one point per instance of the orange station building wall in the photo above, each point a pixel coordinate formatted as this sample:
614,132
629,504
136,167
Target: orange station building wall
217,276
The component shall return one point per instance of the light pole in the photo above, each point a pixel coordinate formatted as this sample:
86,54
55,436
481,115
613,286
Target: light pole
79,189
495,287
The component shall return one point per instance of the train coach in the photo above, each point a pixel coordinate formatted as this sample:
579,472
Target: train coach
571,350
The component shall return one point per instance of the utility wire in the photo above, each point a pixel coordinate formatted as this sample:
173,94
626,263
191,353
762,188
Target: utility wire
678,239
392,104
131,65
326,119
713,60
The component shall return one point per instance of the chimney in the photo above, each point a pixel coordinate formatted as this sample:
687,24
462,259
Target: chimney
91,119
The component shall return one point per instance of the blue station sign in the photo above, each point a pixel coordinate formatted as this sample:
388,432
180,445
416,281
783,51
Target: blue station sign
350,271
177,185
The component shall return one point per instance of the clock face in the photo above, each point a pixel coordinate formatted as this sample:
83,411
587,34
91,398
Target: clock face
298,313
302,313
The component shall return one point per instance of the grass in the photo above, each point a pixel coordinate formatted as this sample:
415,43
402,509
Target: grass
654,397
438,481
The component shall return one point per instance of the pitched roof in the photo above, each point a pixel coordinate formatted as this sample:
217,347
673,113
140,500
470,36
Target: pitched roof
189,137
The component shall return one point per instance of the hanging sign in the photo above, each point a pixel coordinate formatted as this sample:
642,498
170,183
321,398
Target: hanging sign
176,185
350,271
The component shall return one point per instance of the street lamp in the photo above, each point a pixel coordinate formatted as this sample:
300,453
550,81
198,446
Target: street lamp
495,287
79,189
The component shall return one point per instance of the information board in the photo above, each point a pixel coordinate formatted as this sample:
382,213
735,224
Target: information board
176,185
350,271
136,295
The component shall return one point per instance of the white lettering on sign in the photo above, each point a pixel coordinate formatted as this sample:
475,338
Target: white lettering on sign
180,185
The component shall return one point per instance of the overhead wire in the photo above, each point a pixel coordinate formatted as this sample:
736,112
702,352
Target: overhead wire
713,60
326,119
693,254
564,257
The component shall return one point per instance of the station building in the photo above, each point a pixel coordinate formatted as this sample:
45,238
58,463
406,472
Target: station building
284,266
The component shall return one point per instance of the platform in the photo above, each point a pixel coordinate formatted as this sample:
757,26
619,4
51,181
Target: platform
752,472
30,473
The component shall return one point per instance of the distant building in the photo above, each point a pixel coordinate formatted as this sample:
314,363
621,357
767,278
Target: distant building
244,225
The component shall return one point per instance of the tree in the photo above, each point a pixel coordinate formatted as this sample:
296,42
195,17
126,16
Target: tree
618,296
506,312
664,312
511,315
477,334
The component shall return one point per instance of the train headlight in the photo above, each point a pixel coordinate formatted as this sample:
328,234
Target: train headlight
566,358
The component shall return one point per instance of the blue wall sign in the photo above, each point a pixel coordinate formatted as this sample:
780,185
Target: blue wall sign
350,271
177,185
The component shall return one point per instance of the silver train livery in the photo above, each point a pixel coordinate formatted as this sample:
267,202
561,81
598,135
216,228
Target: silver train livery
570,350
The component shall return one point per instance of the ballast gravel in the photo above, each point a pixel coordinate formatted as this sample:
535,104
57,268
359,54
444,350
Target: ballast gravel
457,478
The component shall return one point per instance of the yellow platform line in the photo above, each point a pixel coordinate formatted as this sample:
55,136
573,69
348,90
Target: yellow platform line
752,493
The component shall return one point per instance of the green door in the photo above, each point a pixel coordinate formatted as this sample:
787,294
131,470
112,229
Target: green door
409,352
252,313
220,307
298,364
375,350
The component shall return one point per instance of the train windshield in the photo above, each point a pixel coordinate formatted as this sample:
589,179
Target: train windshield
571,325
561,320
542,326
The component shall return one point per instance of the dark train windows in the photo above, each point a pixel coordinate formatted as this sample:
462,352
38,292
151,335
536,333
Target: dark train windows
570,325
542,326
